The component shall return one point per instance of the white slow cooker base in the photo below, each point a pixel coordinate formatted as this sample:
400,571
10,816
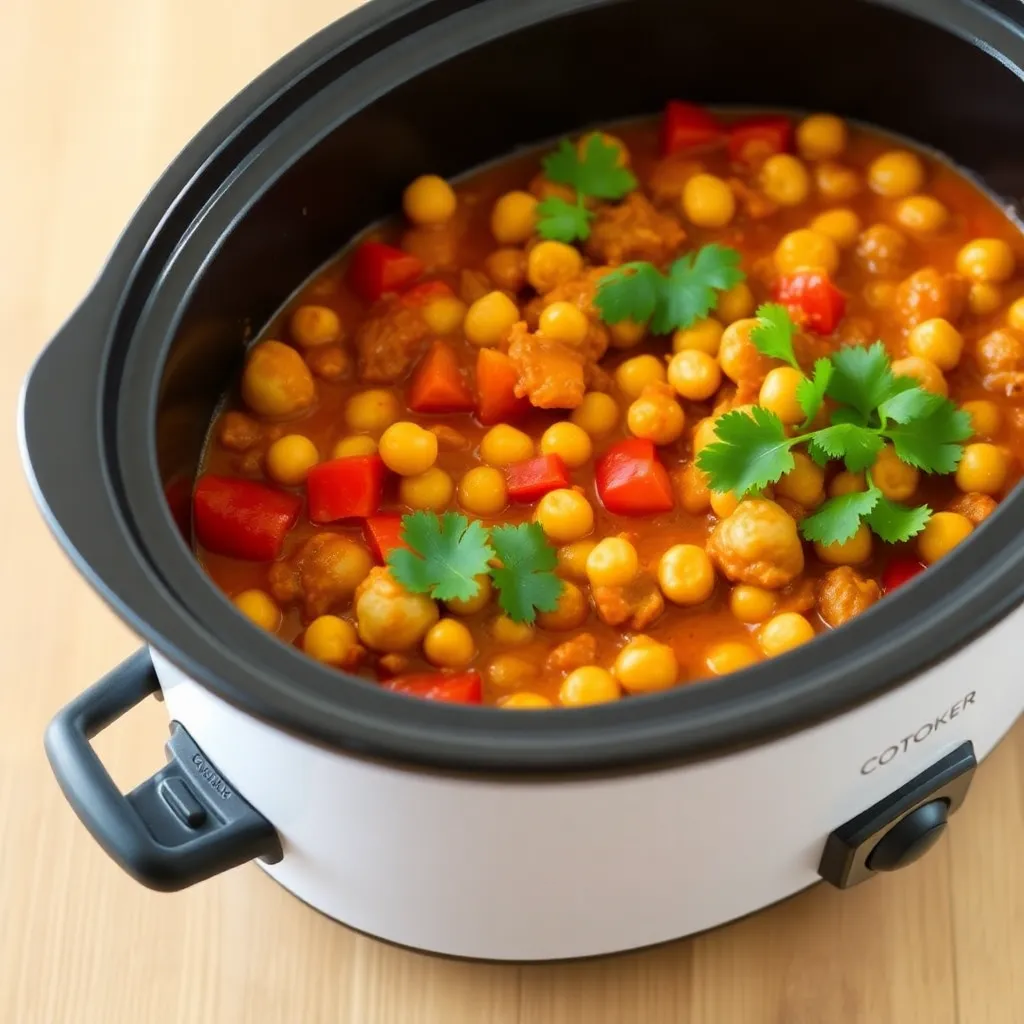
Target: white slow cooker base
545,870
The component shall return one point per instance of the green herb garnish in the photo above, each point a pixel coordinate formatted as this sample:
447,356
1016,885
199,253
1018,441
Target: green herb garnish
525,579
676,299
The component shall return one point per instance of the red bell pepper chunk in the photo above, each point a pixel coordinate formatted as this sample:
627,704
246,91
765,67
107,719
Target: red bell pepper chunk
900,571
421,294
686,125
813,301
243,518
496,377
756,138
383,535
437,384
459,688
178,495
345,488
631,481
378,269
532,479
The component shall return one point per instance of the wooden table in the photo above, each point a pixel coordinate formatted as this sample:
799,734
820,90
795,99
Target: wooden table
98,96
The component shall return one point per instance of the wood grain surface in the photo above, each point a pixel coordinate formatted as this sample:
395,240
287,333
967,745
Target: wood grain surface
96,96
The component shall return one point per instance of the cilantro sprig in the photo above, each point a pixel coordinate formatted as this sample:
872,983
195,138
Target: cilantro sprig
678,298
870,405
595,173
446,555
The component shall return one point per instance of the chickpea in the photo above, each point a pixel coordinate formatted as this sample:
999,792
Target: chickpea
568,441
686,575
571,612
989,260
784,180
924,371
804,483
986,417
524,701
984,298
701,336
849,552
310,326
572,558
564,322
820,136
656,415
842,225
646,666
565,515
503,445
511,633
429,201
476,603
694,495
428,491
923,215
507,269
635,374
407,449
896,174
708,201
751,604
880,294
449,644
597,414
722,659
329,639
613,562
588,685
489,319
941,534
739,358
514,218
388,617
626,333
445,314
847,483
482,491
276,382
937,340
1015,314
507,671
784,633
371,412
695,375
983,468
881,249
894,478
550,264
703,435
353,445
733,304
290,458
259,608
778,394
806,248
835,181
723,503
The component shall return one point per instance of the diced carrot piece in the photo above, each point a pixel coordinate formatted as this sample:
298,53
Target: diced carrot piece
532,479
437,384
496,378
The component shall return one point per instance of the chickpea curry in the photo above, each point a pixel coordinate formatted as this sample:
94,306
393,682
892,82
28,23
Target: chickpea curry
632,411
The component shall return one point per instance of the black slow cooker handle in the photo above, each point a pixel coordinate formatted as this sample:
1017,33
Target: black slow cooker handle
181,825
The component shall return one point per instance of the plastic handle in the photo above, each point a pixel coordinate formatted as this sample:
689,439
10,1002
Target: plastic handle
183,824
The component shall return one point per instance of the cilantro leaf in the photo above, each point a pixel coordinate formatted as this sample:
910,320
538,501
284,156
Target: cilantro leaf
894,522
630,292
596,173
810,393
773,335
861,377
933,441
525,580
446,555
751,452
692,286
857,446
562,221
909,404
838,518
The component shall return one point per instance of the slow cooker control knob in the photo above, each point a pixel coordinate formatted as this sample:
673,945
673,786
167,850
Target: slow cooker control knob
903,826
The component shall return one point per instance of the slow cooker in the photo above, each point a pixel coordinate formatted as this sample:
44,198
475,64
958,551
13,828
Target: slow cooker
470,831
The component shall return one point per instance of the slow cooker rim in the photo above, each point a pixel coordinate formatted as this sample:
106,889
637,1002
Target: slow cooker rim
419,732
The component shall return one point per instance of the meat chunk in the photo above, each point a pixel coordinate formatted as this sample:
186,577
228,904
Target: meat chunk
756,205
238,432
449,439
757,544
388,617
389,341
575,653
580,291
1000,356
329,362
551,375
845,593
926,294
669,176
976,507
881,249
322,575
636,605
634,230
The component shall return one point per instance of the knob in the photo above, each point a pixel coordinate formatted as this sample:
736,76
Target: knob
911,837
